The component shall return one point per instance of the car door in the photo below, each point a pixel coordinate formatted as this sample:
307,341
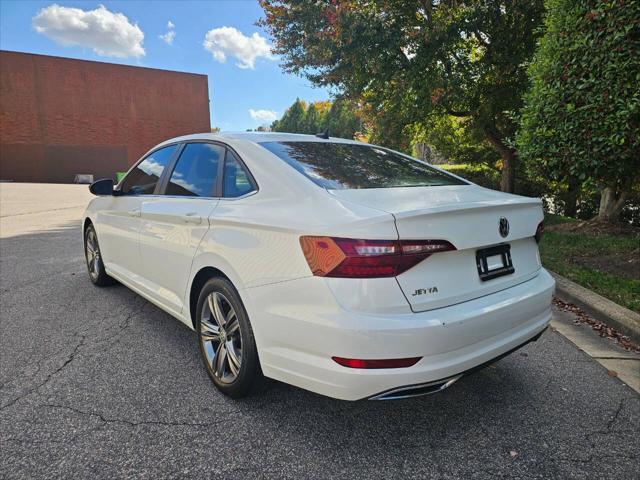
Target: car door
174,223
119,222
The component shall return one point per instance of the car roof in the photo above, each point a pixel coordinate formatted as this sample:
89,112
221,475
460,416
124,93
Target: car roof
257,137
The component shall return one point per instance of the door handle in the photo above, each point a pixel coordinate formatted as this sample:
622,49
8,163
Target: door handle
134,213
192,217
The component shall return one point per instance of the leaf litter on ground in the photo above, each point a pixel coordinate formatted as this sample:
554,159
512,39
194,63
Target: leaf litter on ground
605,331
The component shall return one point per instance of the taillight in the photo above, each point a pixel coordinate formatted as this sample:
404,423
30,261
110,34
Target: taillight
539,232
386,363
351,258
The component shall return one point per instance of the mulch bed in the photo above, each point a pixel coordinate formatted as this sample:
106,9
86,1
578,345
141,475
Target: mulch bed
626,265
591,227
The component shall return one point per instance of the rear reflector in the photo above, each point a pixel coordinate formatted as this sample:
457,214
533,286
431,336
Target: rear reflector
539,232
351,258
388,363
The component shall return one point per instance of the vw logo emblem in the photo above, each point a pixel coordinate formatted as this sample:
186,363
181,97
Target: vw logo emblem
503,227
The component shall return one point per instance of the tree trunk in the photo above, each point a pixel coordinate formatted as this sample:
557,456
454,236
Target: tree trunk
509,158
508,174
611,202
571,197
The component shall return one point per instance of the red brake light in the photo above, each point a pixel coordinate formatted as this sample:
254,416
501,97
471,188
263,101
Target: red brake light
539,232
351,258
388,363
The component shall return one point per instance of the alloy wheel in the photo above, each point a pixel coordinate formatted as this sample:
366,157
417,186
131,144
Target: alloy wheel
94,258
221,337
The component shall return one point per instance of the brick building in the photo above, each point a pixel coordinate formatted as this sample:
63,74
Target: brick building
60,117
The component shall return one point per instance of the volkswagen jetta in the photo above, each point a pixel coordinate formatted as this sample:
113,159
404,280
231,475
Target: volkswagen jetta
337,266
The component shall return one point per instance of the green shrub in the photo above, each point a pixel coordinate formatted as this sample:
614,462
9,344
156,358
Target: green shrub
478,174
582,116
488,177
551,192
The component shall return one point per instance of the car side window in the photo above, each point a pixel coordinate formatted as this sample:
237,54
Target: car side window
142,180
196,171
236,179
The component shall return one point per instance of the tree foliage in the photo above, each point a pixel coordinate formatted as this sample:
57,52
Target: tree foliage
453,138
293,119
311,120
340,117
408,60
582,115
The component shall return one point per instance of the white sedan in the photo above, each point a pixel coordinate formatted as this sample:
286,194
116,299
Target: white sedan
340,267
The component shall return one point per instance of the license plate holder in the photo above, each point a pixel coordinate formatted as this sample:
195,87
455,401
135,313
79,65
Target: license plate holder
494,262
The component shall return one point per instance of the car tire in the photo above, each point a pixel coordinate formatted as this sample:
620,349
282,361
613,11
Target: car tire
226,340
93,257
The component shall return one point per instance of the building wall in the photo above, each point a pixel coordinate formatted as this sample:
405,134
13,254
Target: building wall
60,116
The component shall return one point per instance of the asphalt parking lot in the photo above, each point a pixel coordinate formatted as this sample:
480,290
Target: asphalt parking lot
100,383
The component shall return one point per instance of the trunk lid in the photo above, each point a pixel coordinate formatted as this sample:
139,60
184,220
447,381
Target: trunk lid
469,217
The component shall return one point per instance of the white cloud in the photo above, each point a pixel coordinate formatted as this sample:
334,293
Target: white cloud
263,115
225,41
109,34
170,35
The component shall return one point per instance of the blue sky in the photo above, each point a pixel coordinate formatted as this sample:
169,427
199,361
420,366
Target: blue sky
248,79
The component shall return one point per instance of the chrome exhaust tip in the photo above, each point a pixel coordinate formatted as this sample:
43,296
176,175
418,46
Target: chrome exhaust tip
416,390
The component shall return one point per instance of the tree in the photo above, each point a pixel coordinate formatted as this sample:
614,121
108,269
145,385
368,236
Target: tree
312,120
323,107
343,119
455,140
582,117
340,117
387,121
416,58
293,119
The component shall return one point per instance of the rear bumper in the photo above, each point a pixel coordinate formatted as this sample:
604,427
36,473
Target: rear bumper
408,391
299,326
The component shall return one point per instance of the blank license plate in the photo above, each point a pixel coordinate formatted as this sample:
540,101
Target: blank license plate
494,262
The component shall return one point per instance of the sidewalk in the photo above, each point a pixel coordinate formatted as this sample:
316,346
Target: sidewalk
602,309
619,363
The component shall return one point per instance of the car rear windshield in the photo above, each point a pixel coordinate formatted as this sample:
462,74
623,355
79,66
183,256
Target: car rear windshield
338,166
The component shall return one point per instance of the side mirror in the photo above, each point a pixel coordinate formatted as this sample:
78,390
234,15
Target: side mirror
102,187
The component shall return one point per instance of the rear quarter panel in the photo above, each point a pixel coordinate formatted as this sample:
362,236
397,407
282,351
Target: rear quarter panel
260,237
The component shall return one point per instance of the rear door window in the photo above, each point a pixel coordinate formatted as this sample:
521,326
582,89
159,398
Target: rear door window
337,166
196,171
142,180
237,181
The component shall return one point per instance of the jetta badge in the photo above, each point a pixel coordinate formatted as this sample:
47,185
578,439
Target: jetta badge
503,227
422,291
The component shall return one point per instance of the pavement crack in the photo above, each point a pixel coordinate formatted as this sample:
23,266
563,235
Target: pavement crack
615,415
122,325
608,429
68,360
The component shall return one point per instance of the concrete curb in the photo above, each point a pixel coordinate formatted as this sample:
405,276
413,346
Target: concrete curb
600,308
